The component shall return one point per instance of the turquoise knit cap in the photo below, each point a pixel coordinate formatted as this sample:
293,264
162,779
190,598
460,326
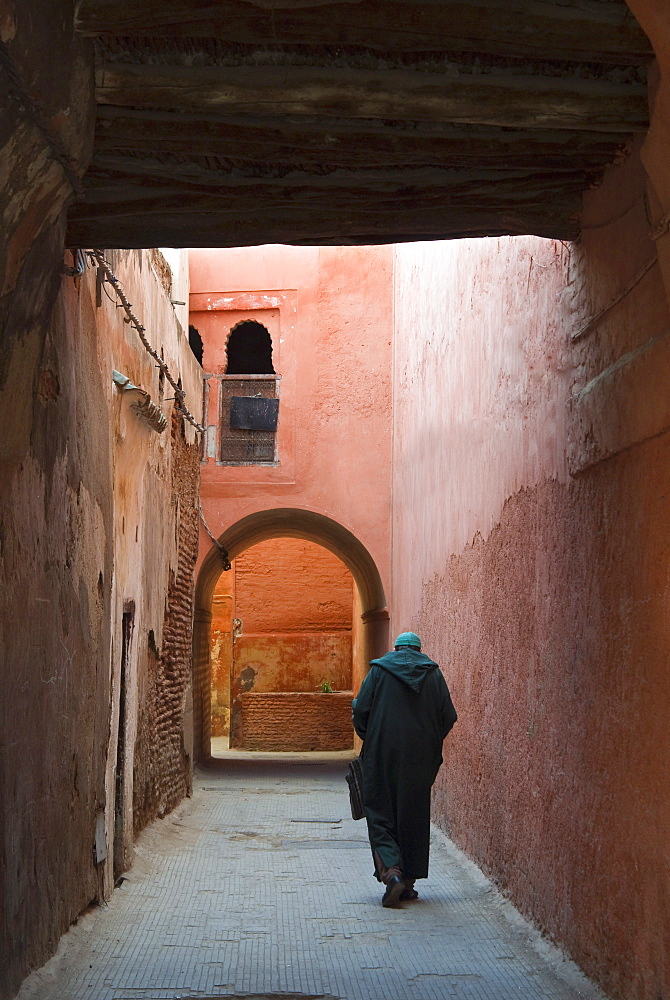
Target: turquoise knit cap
408,639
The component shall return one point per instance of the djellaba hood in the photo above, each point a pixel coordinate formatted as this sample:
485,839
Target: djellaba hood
409,665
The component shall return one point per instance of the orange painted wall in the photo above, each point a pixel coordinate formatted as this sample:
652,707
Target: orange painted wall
294,600
289,585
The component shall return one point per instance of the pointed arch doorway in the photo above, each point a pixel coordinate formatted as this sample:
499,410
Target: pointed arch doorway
371,624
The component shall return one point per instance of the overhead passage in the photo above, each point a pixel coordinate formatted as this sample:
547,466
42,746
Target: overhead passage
255,121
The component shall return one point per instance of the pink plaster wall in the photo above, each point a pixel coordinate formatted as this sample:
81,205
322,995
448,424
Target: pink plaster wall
480,392
329,311
532,553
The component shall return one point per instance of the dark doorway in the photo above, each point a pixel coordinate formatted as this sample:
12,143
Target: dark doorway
126,639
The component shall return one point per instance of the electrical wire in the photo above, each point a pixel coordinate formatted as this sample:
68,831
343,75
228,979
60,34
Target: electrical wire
635,280
223,552
662,228
179,394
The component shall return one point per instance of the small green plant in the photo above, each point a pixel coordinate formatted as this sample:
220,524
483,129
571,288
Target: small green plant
325,687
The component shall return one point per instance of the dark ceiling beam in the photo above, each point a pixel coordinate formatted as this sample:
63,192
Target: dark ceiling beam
476,181
309,121
591,30
308,222
132,204
496,98
251,143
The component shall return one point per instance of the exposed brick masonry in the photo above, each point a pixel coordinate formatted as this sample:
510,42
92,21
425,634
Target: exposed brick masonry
294,599
162,763
296,720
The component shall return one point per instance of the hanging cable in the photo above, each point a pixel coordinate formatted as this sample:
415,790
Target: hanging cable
662,228
79,264
223,552
635,280
131,318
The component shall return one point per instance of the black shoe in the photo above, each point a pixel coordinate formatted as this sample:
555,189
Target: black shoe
394,890
408,894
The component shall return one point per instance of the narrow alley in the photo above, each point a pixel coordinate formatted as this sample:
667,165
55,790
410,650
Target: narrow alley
324,322
261,885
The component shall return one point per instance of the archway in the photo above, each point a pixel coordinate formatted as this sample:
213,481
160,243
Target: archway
372,620
282,638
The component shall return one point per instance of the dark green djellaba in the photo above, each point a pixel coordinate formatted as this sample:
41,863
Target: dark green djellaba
402,713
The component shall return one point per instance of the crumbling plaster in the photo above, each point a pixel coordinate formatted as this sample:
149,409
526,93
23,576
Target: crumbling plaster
88,515
531,448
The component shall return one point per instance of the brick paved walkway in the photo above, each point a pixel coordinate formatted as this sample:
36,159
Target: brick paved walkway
262,885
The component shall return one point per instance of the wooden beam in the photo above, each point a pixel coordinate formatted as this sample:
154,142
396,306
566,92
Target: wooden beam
497,98
118,174
248,143
200,222
156,206
587,30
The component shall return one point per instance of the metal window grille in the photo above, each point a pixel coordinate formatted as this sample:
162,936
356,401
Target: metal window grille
246,447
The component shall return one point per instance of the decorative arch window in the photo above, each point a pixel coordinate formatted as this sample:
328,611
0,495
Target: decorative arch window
249,350
249,397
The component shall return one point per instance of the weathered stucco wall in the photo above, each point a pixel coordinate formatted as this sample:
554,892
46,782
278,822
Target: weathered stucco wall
292,601
94,505
531,553
56,518
329,313
52,509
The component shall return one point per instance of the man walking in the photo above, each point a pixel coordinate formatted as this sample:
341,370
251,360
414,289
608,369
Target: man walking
402,713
